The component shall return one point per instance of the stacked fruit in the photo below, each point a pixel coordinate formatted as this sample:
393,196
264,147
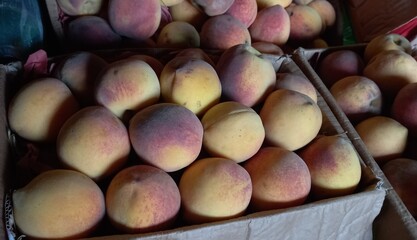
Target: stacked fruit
377,90
150,145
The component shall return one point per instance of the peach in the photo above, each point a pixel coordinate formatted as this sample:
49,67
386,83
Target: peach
58,204
178,34
213,7
135,19
244,10
127,86
91,32
384,42
359,97
268,48
196,53
272,24
190,82
79,72
142,198
185,11
384,137
155,64
246,76
402,175
339,64
305,23
268,3
166,135
404,107
205,180
280,179
232,130
223,32
80,7
39,109
291,119
391,70
334,166
169,3
296,82
326,11
302,2
94,142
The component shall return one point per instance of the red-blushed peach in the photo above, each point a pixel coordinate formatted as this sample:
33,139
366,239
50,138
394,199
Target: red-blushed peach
246,76
291,119
39,109
93,141
223,32
296,82
280,179
244,10
268,48
169,3
80,7
91,32
384,137
326,11
142,198
402,175
305,23
391,70
339,64
268,3
79,72
334,166
196,53
272,24
384,42
136,19
127,86
205,180
358,97
190,82
232,130
178,34
212,7
404,107
185,11
58,204
166,135
155,64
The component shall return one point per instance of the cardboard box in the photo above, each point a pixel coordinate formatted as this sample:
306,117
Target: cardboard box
394,221
347,217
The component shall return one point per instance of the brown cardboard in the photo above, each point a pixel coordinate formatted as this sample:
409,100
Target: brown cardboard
347,217
370,18
394,221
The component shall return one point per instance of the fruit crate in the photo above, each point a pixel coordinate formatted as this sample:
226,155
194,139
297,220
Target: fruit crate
346,217
394,221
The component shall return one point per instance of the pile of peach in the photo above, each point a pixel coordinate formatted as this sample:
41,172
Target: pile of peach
149,145
209,24
377,90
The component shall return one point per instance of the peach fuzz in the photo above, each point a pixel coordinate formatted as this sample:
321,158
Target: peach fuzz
280,179
126,86
246,76
296,82
166,135
190,82
142,198
334,166
223,32
213,7
155,64
47,103
305,23
291,119
94,142
185,11
135,19
272,24
206,179
58,204
232,130
178,34
404,108
80,7
244,10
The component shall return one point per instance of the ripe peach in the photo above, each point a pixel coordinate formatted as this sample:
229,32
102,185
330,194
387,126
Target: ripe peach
58,204
196,53
80,7
268,3
232,130
94,142
141,199
272,24
39,109
190,82
178,34
155,64
244,10
291,119
268,48
169,3
305,23
334,166
185,11
326,11
296,82
384,42
280,179
205,180
384,137
245,75
213,7
404,107
166,135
